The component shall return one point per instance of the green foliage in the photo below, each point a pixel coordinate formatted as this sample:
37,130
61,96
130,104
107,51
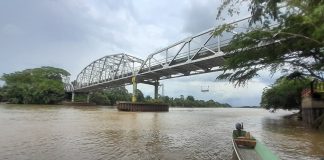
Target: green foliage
190,101
80,97
148,98
140,96
118,94
111,96
223,28
285,93
190,98
100,98
35,86
295,44
155,101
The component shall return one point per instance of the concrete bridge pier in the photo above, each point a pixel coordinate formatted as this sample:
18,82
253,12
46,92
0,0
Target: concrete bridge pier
156,89
88,97
72,99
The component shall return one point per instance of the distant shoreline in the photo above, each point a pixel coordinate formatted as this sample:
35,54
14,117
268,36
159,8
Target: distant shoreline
94,105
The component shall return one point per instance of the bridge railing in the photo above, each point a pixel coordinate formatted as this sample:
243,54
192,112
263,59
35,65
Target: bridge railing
183,56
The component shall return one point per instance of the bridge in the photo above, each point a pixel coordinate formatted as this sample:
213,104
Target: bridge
197,54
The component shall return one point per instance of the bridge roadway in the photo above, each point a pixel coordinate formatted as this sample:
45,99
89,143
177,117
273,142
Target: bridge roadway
198,54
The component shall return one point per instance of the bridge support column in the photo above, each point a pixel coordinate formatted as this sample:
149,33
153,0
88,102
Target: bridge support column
134,99
156,89
88,97
72,99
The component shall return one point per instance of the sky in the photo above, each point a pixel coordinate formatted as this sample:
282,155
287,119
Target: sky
70,34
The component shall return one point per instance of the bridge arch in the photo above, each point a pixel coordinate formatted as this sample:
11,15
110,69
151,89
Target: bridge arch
108,71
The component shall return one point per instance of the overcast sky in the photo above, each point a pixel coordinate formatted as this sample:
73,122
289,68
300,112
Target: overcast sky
70,34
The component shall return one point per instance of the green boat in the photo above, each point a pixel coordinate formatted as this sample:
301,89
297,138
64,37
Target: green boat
251,149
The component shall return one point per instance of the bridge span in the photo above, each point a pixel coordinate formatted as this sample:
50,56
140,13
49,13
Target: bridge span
198,54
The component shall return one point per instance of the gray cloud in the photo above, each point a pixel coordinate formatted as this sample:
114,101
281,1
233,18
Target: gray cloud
200,15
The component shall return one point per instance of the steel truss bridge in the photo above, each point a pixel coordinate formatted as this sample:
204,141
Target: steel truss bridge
198,54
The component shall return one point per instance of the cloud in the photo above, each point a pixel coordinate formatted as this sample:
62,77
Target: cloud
200,15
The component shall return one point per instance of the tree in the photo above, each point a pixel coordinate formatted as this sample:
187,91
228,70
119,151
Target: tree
294,44
35,86
190,101
108,96
285,93
166,99
190,98
148,98
139,96
100,98
118,94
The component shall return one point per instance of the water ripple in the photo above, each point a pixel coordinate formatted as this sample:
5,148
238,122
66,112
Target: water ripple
100,133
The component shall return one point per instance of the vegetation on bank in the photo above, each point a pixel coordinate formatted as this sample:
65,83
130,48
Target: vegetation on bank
190,101
108,96
111,96
34,86
285,93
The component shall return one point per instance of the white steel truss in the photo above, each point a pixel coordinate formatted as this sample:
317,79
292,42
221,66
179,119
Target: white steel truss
113,70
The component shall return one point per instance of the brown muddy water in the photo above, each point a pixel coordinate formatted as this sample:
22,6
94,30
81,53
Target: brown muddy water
60,132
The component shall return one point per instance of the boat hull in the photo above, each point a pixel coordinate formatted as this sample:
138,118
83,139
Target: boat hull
259,152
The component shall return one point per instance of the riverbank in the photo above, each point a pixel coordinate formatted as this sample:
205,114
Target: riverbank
318,124
294,116
77,104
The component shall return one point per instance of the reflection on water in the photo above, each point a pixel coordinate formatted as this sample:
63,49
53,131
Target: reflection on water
293,137
59,132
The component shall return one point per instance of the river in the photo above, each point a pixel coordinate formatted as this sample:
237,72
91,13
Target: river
38,132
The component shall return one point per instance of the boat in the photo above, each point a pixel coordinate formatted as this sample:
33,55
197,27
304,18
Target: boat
248,148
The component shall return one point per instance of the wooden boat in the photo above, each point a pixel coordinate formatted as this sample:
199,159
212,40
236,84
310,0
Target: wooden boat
251,149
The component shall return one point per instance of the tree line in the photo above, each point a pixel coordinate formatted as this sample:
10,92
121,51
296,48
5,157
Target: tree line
113,95
34,86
